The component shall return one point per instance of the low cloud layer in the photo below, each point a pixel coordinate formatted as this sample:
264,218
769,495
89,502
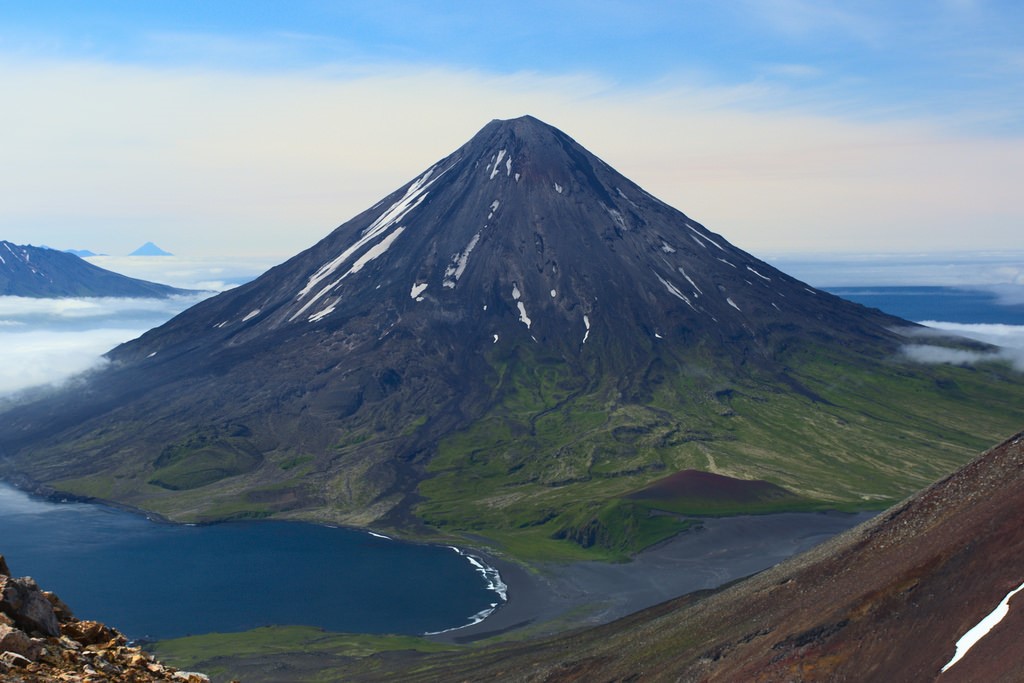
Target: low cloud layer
210,273
47,357
1008,338
47,341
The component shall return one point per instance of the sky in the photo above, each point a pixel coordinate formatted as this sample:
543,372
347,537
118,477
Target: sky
253,129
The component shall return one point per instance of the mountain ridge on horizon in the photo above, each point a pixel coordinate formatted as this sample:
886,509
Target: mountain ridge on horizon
44,272
512,345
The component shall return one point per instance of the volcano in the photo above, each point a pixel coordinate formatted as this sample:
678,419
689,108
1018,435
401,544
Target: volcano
510,344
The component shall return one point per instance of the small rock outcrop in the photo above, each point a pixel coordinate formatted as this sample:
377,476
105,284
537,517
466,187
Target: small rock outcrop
41,640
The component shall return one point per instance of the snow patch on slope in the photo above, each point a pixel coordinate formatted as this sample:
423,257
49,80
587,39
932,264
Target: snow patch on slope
416,193
768,279
494,170
617,217
454,271
523,318
970,639
674,291
688,279
373,252
321,314
704,237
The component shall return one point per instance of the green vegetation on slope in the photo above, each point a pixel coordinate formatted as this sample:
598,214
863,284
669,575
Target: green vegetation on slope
550,462
300,652
546,473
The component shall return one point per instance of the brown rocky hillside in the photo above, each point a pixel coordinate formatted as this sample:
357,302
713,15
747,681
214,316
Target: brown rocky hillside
42,641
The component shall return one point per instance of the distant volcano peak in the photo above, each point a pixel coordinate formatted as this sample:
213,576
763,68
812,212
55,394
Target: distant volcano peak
150,249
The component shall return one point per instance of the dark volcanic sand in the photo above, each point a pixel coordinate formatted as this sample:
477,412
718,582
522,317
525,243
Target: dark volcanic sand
555,596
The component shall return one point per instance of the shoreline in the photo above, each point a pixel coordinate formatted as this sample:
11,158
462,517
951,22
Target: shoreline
542,598
50,494
549,597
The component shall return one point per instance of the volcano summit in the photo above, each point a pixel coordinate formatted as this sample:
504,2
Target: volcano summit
518,343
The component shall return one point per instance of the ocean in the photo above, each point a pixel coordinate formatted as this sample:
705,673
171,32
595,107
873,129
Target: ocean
988,305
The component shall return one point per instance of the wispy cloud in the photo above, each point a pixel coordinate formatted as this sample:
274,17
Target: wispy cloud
923,353
813,18
49,341
34,358
189,272
793,71
65,312
1011,294
1008,338
241,163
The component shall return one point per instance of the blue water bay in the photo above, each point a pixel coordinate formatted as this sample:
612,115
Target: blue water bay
157,580
973,305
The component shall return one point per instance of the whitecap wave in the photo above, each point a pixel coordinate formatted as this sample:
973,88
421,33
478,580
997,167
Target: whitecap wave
492,577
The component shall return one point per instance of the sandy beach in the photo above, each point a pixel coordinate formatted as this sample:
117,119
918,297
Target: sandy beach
546,597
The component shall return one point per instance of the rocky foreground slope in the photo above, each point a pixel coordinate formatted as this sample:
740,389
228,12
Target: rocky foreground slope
891,600
41,640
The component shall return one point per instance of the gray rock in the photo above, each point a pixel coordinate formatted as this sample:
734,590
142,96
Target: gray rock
13,640
22,600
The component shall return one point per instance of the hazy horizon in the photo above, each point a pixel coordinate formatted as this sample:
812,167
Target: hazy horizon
784,125
47,341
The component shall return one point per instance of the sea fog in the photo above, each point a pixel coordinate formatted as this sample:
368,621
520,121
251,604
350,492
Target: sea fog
47,341
977,295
